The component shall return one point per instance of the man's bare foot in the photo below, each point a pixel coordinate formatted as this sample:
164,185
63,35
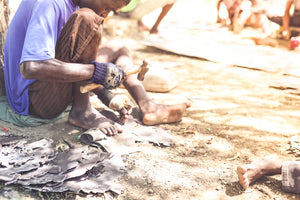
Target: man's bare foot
91,118
251,172
161,114
248,174
142,26
154,31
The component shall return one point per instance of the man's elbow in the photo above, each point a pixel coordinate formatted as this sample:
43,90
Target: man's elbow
27,70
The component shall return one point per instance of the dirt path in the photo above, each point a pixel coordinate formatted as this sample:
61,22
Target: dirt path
235,118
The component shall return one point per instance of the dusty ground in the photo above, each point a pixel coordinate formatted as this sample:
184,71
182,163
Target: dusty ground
235,118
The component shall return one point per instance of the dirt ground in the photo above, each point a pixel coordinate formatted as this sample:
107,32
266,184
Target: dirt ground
235,118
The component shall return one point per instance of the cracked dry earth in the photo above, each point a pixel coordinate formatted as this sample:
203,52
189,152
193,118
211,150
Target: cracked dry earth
235,118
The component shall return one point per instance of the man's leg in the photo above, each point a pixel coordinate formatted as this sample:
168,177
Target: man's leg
79,41
146,7
49,99
242,14
163,13
290,171
218,10
251,172
153,113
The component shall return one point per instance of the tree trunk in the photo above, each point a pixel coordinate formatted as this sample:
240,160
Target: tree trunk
4,20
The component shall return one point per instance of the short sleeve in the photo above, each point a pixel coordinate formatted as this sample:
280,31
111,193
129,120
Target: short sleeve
42,33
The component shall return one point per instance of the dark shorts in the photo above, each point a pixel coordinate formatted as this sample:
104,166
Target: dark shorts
78,43
294,20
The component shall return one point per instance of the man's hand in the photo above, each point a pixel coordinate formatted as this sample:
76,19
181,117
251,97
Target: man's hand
107,74
121,103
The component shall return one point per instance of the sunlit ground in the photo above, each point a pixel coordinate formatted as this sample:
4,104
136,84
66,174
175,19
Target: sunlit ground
193,17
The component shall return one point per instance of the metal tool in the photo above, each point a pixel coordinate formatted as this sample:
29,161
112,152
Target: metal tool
141,70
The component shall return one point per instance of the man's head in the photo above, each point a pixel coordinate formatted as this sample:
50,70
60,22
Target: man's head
103,7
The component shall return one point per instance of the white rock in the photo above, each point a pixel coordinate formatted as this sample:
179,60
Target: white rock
159,80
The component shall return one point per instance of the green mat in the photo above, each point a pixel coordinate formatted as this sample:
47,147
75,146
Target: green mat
9,115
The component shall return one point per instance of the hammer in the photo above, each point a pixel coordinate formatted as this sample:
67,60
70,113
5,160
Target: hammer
141,70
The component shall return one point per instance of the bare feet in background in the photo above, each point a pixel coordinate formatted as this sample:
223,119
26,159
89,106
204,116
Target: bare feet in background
249,173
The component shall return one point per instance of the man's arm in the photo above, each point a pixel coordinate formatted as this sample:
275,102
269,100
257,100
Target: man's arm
161,16
286,20
218,10
56,70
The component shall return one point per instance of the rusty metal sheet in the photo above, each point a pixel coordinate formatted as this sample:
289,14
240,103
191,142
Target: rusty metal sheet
79,169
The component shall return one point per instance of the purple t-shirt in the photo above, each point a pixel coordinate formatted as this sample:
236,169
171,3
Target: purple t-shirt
31,36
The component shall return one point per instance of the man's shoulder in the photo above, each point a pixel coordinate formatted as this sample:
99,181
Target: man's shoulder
52,3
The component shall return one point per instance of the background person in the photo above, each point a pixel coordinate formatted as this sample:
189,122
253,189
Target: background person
137,9
291,17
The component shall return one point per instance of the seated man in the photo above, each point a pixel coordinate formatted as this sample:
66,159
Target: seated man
52,48
137,9
242,13
290,171
290,18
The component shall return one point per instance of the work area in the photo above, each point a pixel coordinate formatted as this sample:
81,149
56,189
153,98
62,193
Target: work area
244,107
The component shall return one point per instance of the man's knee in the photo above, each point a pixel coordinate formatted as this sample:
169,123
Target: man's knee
86,14
84,28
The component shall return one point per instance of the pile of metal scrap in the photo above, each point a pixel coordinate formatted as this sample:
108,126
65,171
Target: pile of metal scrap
39,166
126,143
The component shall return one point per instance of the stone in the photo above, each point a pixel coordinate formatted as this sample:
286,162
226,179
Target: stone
159,80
